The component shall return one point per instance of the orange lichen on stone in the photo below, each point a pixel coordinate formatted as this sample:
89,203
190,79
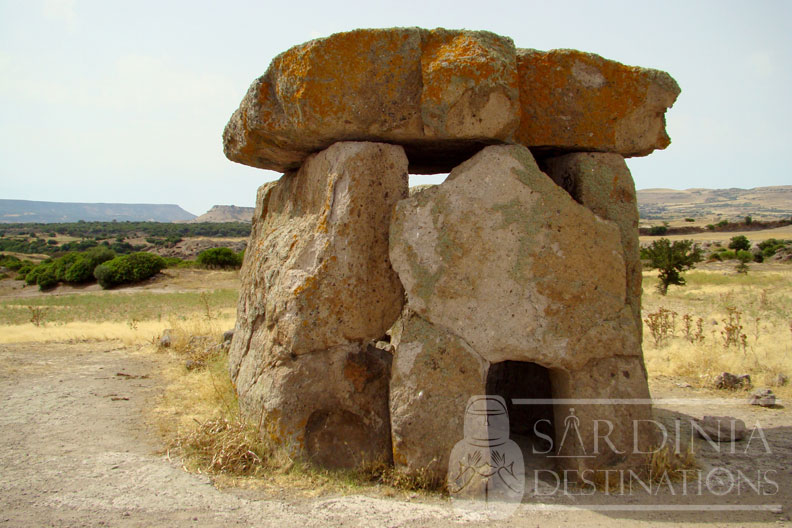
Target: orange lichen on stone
325,80
576,100
466,67
449,63
310,283
444,93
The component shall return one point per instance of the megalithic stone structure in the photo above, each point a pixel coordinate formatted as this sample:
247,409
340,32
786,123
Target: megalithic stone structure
518,276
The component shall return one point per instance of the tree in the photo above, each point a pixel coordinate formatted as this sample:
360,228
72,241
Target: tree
744,257
740,242
671,259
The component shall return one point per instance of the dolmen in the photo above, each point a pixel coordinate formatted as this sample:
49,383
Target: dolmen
369,317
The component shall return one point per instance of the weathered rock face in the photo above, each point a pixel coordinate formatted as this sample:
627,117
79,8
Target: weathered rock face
626,425
443,94
317,285
603,183
554,287
578,101
433,373
439,93
521,284
501,264
330,407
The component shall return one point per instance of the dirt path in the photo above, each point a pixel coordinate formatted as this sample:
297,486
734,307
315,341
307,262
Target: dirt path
74,451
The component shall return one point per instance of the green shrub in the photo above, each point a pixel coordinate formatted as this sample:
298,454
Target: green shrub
10,261
758,257
770,242
671,260
740,242
24,270
43,274
47,279
80,271
771,246
221,257
658,230
690,219
128,269
31,276
728,255
744,257
62,264
716,256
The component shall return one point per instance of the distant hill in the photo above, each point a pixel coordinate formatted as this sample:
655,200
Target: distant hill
766,203
13,211
226,213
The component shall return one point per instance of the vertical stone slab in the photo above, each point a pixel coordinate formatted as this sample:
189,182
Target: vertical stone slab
317,285
505,259
503,262
603,183
434,374
599,435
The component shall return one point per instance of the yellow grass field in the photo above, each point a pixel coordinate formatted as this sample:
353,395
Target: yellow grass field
721,321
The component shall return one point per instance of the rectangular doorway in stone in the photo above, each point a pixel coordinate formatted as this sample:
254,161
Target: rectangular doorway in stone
530,426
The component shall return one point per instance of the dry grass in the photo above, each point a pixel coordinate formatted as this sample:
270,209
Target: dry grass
199,418
387,475
132,332
667,464
745,326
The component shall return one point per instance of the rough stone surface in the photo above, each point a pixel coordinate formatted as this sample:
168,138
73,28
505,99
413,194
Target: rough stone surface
443,94
553,291
434,373
729,381
721,428
330,407
576,101
501,264
763,398
603,183
317,282
439,93
614,377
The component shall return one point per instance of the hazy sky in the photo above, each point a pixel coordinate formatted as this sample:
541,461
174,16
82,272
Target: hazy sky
110,101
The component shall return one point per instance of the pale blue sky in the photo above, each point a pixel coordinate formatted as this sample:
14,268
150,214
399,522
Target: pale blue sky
106,101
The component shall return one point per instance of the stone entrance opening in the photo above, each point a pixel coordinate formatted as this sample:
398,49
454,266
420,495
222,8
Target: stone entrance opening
530,426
